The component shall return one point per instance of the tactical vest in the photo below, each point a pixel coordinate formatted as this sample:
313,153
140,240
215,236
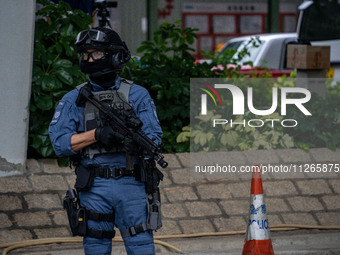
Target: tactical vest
117,99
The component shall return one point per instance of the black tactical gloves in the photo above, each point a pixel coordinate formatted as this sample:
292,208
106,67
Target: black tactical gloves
107,136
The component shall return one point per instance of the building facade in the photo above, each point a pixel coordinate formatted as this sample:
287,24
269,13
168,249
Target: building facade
217,20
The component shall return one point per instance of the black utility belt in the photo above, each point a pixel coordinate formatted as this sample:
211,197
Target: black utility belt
86,174
113,172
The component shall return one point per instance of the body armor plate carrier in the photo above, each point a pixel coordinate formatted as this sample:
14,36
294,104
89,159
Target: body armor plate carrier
118,99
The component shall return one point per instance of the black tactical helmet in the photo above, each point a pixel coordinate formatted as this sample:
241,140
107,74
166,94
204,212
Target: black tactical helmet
106,39
99,37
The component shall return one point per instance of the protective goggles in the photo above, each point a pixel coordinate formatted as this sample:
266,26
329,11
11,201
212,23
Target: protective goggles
92,34
94,55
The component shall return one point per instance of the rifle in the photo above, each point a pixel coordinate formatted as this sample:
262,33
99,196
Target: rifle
128,125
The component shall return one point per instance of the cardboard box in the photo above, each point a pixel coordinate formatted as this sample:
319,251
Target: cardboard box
303,56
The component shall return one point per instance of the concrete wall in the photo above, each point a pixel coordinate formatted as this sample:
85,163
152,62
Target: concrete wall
16,51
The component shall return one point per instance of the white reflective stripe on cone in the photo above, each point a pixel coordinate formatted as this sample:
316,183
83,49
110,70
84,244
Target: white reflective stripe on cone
258,227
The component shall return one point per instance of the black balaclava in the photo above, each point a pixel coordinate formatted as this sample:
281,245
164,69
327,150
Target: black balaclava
95,67
106,80
101,71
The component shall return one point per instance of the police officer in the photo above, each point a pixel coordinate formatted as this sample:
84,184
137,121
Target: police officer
80,129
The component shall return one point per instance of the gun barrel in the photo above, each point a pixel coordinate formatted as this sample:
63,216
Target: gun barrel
162,163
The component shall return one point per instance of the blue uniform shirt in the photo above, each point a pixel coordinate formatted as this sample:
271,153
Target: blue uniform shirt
68,120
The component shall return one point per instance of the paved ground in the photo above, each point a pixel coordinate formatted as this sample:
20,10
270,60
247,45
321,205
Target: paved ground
284,243
30,205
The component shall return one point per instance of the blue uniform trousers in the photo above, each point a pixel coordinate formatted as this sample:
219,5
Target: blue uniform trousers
127,198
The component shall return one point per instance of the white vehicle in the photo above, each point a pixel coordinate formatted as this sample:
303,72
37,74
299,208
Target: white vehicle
269,52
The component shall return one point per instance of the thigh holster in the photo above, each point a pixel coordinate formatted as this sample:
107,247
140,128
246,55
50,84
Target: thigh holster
154,217
78,217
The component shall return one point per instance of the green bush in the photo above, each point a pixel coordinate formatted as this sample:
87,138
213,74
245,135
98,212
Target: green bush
235,137
55,68
322,129
227,136
165,69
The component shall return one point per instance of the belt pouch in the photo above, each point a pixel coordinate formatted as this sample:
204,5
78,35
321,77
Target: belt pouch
71,208
76,215
81,222
84,179
154,220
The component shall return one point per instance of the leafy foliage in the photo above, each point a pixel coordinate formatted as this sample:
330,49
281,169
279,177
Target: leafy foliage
241,132
322,129
55,68
229,137
165,69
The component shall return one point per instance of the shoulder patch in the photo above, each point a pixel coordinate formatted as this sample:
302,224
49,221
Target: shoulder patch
153,106
57,113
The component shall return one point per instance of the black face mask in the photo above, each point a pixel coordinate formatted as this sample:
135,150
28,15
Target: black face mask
95,66
99,71
106,80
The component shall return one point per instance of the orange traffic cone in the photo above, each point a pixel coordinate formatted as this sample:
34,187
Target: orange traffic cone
258,235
